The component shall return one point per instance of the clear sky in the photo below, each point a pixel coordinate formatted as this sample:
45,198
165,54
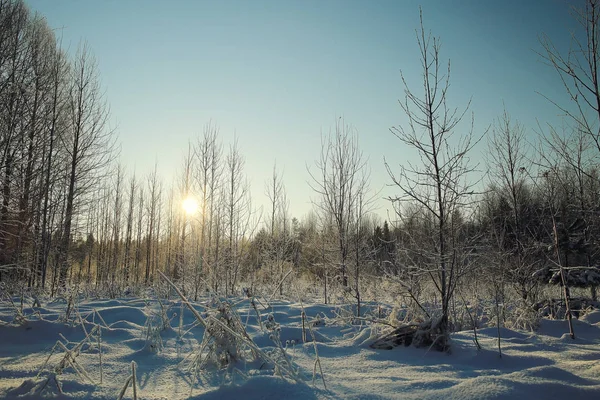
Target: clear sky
278,73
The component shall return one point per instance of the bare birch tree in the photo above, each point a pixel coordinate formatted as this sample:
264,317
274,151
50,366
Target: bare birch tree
207,152
439,186
278,247
88,143
238,213
340,181
129,230
152,210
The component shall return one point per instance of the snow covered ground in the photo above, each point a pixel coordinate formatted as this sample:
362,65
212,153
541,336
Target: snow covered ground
547,364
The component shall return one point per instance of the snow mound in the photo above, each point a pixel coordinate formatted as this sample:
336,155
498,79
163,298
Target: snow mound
262,387
592,318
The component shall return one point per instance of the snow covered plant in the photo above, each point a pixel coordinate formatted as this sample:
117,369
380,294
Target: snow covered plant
524,317
20,317
68,359
131,380
71,297
425,334
152,330
157,321
279,353
342,315
225,345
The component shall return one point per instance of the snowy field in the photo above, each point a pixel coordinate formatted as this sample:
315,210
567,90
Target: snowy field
546,364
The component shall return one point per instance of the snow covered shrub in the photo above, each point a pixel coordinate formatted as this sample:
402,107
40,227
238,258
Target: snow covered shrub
223,345
152,330
429,334
523,316
157,321
226,346
224,342
396,315
557,308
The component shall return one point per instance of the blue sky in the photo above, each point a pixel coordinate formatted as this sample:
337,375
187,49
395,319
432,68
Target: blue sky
278,73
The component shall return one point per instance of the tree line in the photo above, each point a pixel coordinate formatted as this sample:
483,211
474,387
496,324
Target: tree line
71,216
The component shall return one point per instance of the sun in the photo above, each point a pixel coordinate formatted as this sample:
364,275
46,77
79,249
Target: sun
190,205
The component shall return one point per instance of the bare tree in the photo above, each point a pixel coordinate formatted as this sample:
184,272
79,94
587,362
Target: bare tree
277,249
115,253
103,234
40,53
185,186
361,250
238,213
206,152
171,232
440,185
129,230
509,168
13,74
208,171
578,70
572,161
341,181
55,120
275,191
139,229
152,209
88,144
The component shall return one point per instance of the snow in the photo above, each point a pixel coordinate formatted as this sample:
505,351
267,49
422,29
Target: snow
546,364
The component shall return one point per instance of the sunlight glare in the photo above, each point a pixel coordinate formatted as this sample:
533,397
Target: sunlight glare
190,205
